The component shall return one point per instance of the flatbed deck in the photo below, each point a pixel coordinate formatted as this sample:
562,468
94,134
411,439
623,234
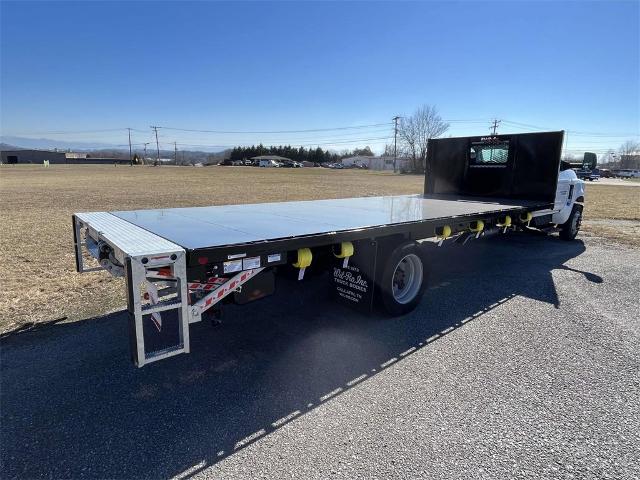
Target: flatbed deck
216,230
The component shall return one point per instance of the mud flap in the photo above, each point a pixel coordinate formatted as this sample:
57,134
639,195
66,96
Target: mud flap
354,284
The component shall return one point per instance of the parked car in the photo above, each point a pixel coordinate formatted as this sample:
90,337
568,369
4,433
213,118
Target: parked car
358,166
269,164
627,173
247,162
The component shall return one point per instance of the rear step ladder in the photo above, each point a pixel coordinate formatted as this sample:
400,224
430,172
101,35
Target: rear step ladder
142,254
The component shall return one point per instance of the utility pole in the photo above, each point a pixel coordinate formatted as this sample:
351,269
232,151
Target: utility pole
145,153
395,143
495,124
175,153
130,155
155,129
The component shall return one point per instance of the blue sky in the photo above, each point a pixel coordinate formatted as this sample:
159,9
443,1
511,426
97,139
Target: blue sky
71,67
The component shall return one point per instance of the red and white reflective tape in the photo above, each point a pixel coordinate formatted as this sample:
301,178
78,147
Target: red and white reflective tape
226,288
211,284
161,271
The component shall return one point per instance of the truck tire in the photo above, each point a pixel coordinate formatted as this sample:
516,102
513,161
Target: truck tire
571,227
402,279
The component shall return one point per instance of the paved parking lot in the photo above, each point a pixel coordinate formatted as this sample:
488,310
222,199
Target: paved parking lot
522,360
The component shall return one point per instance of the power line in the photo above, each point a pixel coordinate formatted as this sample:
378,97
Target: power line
603,143
69,132
291,144
327,129
574,132
306,139
526,125
605,135
353,127
276,131
471,120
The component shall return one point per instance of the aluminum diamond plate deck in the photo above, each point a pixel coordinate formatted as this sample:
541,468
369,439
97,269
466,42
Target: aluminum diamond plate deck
205,227
131,239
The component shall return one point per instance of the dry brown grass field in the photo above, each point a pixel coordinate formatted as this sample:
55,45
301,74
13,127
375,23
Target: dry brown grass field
39,282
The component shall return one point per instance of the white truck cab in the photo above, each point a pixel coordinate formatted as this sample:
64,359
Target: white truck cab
567,207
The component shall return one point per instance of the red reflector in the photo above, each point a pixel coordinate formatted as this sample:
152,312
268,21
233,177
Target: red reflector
203,260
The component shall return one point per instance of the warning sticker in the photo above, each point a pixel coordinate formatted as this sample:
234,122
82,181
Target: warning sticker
232,266
251,262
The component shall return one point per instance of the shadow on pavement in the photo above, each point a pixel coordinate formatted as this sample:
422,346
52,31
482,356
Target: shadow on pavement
74,406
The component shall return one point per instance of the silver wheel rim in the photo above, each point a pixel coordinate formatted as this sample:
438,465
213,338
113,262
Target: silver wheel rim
406,279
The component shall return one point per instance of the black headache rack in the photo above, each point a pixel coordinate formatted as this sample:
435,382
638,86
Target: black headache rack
521,166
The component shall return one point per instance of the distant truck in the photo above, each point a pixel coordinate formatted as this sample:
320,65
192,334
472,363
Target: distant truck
590,175
586,170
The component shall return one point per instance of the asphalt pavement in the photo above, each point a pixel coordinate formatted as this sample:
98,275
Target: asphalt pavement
522,361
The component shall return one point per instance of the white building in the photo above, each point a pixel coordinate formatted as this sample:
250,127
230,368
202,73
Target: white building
376,163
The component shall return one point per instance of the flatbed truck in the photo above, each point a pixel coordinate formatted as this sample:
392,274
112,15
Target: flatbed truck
182,264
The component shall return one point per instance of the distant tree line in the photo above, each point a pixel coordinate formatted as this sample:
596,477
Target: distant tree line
300,154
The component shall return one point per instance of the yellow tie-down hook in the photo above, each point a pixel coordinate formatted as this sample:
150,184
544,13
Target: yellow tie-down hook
504,222
442,233
477,227
526,217
346,251
304,260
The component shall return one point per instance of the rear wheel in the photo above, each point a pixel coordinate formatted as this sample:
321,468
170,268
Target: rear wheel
402,280
572,226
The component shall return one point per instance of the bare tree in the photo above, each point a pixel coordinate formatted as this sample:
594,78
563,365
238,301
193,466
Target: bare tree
608,158
389,151
415,131
345,153
364,152
630,154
